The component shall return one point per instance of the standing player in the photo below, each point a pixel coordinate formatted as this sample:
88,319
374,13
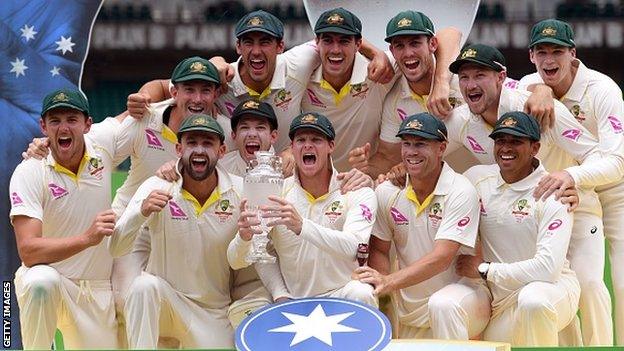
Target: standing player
61,215
429,222
568,151
184,291
320,246
595,100
524,241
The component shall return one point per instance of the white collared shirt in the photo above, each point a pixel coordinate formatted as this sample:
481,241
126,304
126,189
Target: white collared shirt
292,71
354,111
526,240
450,213
188,240
67,203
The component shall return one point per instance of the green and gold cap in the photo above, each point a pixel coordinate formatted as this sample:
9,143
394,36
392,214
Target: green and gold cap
424,125
312,120
409,23
552,31
256,108
338,20
69,98
480,54
517,123
260,21
195,68
201,122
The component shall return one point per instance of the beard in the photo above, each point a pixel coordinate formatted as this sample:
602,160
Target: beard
195,171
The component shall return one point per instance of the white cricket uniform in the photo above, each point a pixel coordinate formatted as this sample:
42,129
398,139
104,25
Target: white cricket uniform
325,251
444,306
595,100
354,111
73,295
562,147
535,293
184,290
292,72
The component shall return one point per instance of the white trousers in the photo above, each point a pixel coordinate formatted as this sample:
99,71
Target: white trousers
587,258
612,200
542,310
459,311
154,308
82,310
357,291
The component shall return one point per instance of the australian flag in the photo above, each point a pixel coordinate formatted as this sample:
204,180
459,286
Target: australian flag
43,45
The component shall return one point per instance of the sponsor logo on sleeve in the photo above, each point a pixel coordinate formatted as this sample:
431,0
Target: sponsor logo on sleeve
314,100
402,114
229,106
555,224
572,134
616,124
366,213
475,146
16,199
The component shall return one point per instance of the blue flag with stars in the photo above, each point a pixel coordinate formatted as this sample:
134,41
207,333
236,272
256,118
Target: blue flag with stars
43,45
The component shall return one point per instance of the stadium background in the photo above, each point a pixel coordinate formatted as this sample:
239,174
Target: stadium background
134,41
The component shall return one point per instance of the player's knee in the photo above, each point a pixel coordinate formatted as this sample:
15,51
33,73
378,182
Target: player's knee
533,303
361,292
42,281
440,305
142,284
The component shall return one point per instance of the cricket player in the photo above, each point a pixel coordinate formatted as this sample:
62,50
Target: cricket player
315,228
524,240
569,151
62,219
595,100
184,291
429,221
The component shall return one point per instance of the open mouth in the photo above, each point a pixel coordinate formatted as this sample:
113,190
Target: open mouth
195,109
551,72
412,64
507,158
475,97
413,162
257,64
251,147
335,61
64,142
309,159
199,163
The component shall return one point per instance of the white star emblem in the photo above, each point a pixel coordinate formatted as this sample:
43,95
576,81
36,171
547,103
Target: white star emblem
18,67
316,325
28,32
65,45
55,71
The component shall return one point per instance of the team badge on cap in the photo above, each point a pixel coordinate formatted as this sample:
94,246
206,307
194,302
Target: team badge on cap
509,122
251,104
334,19
469,53
198,67
60,97
414,125
309,118
255,21
549,31
404,22
199,121
314,324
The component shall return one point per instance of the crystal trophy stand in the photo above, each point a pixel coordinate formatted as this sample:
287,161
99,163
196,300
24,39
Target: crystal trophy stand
264,178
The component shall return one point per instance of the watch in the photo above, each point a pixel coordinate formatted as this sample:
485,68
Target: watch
483,269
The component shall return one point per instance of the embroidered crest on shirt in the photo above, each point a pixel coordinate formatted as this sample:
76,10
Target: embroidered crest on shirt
57,191
333,211
435,215
577,113
96,167
475,146
454,102
314,100
616,124
15,199
282,99
398,217
176,211
223,210
366,213
152,140
520,210
359,90
572,134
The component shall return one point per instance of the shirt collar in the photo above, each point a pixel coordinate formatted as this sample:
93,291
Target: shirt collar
277,82
528,182
445,181
579,84
88,153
